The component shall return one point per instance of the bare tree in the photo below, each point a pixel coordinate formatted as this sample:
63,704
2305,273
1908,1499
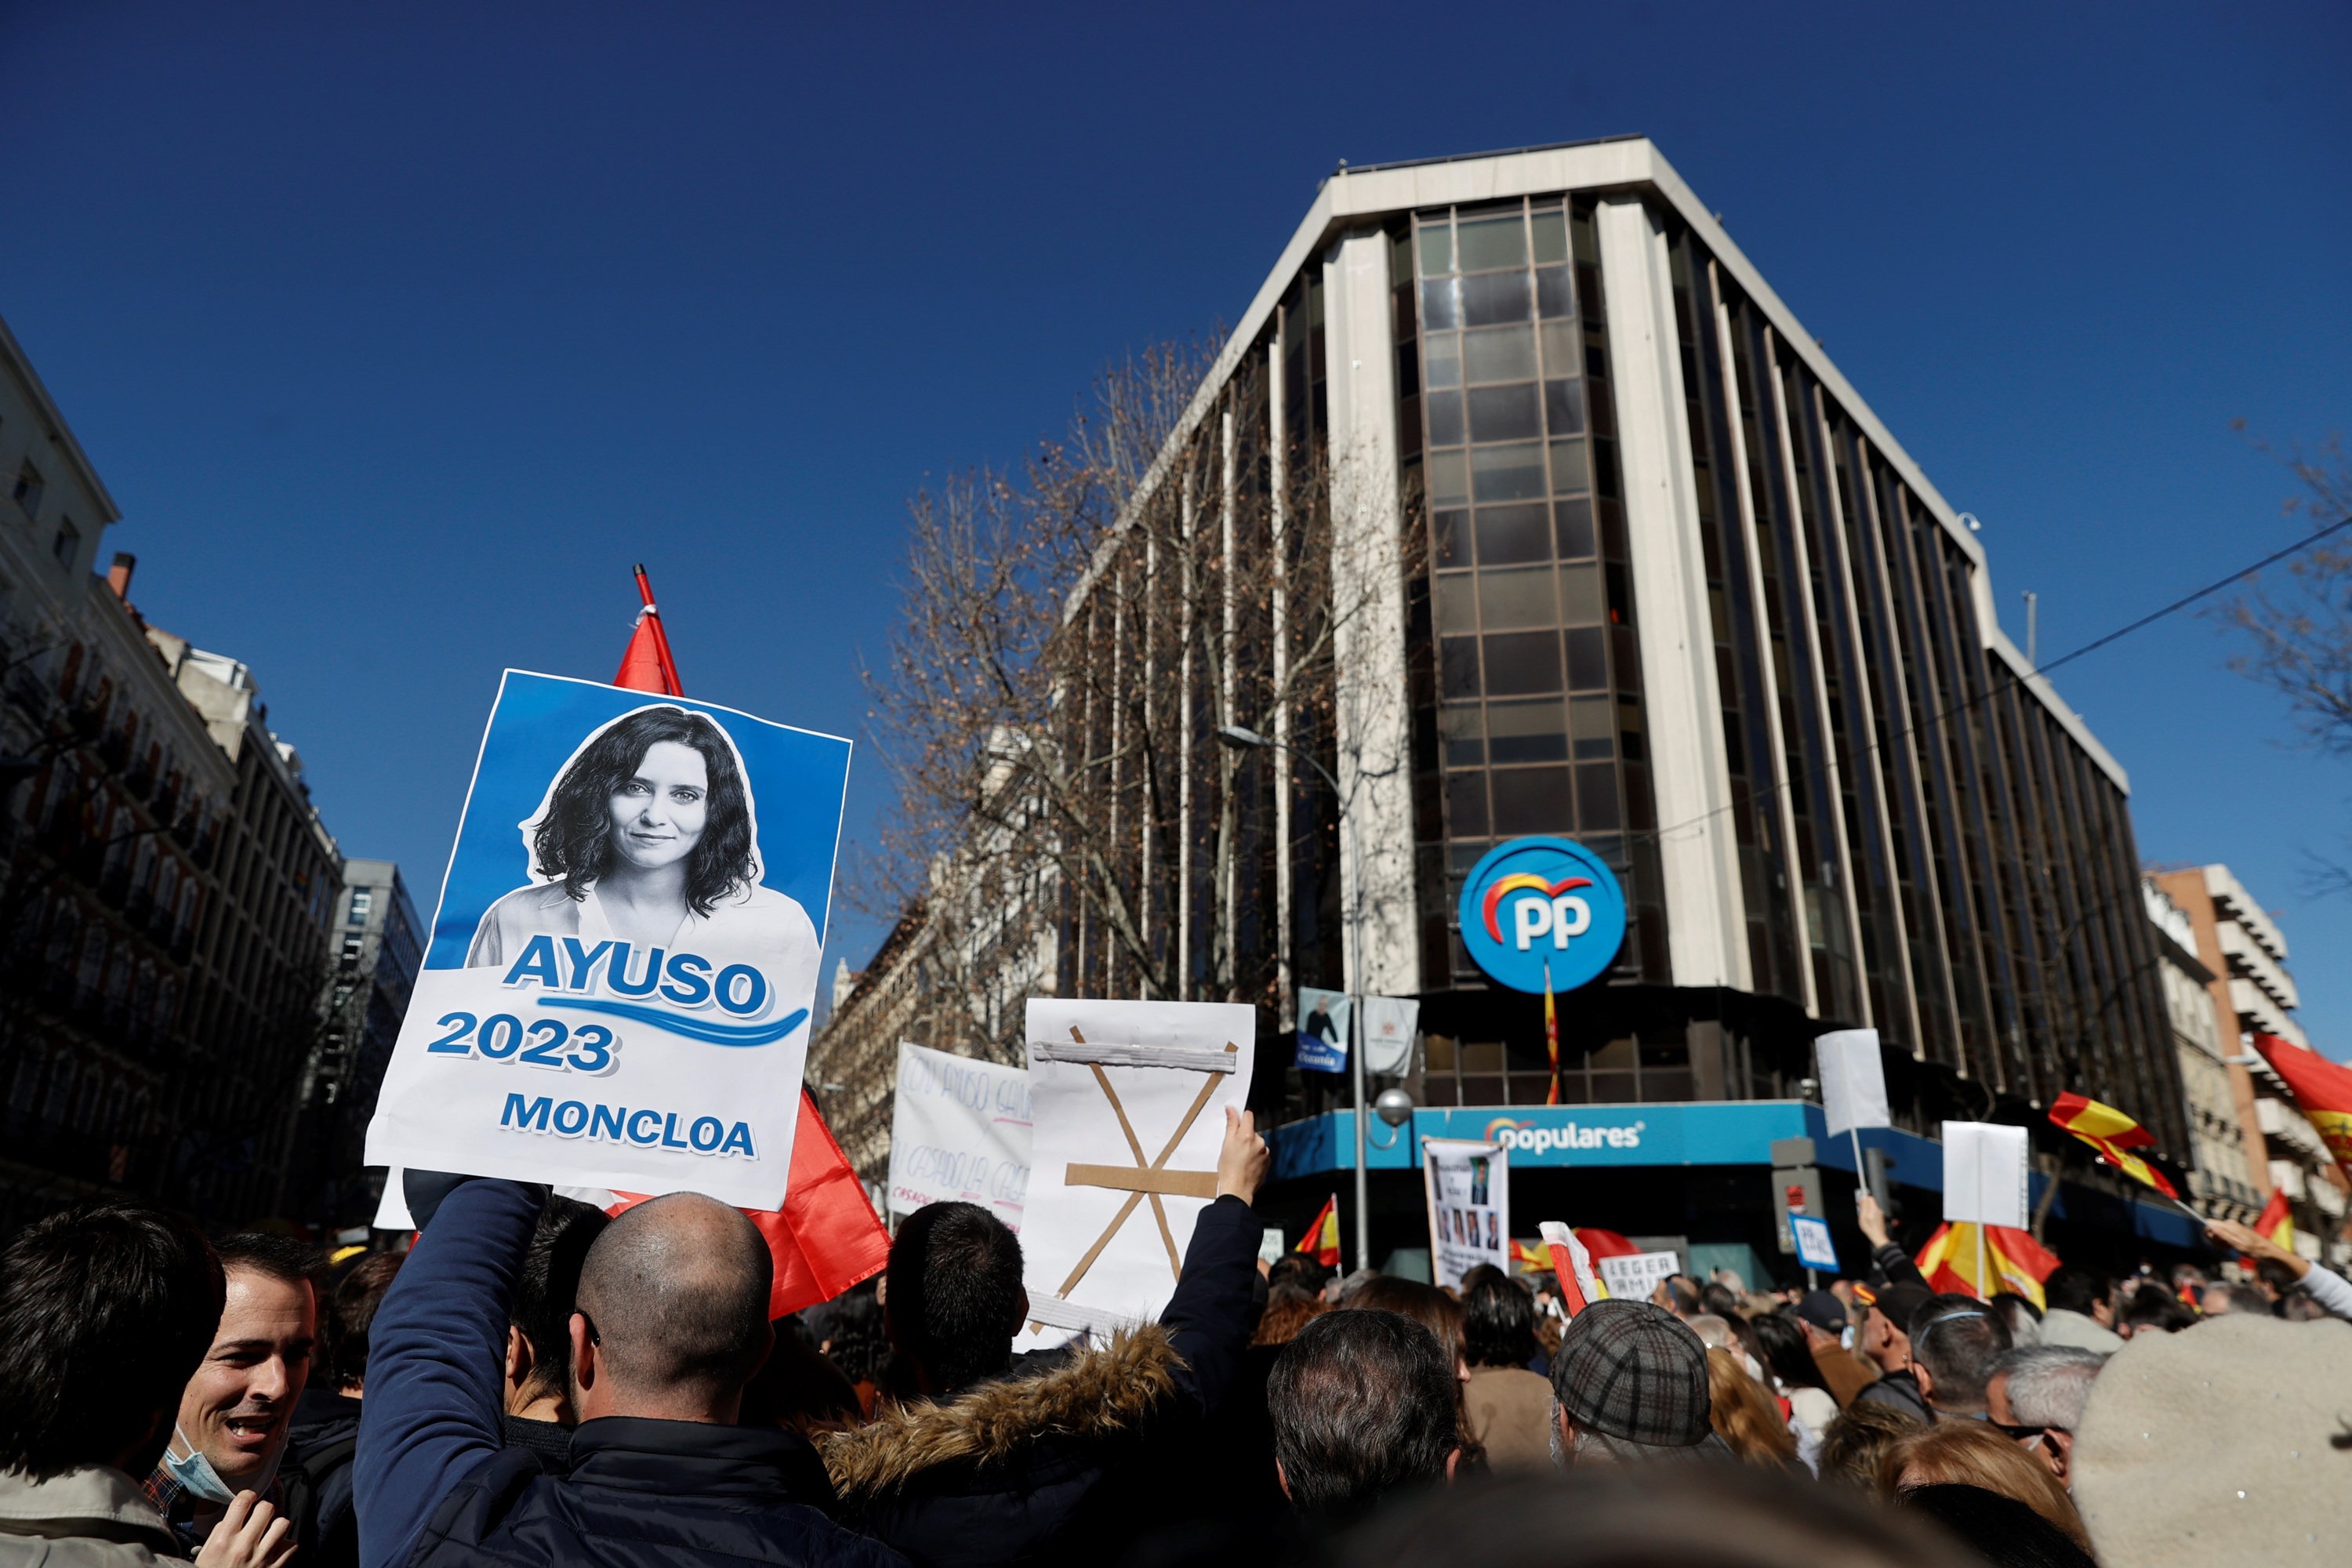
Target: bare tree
2297,633
1070,638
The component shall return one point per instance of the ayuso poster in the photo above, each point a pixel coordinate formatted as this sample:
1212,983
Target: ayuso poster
622,964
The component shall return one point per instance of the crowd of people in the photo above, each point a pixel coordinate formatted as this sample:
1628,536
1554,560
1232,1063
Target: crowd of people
535,1383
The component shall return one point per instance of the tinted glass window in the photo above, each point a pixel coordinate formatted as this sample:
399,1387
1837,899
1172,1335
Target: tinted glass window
1569,472
1507,473
1457,666
1574,520
1452,537
1526,732
1441,356
1494,298
1533,800
1491,242
1587,659
1523,596
1498,354
1440,308
1508,535
1580,595
1445,419
1563,407
1554,296
1501,413
1523,663
1550,232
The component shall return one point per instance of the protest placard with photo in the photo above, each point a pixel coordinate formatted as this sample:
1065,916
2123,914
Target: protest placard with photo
959,1131
617,990
1469,1191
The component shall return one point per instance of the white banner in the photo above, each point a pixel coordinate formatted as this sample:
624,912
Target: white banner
1469,1192
1633,1277
1128,1100
624,959
1390,1026
1853,1080
959,1133
1984,1173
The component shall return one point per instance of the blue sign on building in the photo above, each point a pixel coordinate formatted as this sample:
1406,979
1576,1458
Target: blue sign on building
1535,906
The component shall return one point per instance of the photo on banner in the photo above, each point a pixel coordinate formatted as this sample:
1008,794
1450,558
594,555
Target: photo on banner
1129,1102
959,1132
617,989
1390,1025
1323,1018
1469,1191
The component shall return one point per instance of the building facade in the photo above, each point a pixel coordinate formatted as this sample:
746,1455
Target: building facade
2251,991
2223,1183
1625,560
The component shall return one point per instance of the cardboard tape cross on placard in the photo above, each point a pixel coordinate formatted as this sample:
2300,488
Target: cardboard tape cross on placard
1143,1181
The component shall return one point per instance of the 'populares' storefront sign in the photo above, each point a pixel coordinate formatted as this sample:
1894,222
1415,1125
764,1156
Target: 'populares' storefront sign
1538,906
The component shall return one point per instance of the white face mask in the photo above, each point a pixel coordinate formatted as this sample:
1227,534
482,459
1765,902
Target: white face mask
194,1470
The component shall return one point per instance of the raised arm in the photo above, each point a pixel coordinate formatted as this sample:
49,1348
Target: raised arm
1892,1261
1208,1318
436,1407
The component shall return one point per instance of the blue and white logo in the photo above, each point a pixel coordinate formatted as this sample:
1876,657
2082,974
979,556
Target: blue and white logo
1534,904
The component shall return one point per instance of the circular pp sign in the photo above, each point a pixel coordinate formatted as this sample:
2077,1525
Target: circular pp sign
1535,903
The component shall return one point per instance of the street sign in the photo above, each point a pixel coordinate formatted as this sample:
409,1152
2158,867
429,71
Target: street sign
1814,1249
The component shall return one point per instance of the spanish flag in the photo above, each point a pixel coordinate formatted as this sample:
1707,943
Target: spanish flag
1321,1241
2275,1224
2114,1135
2323,1092
2015,1261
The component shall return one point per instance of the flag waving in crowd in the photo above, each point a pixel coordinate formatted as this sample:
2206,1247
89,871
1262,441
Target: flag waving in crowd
1321,1241
2013,1261
2114,1135
2323,1092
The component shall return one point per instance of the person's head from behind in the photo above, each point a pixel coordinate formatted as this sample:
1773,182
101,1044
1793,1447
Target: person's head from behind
1787,1352
1362,1404
1743,1414
1499,1319
2227,1296
1679,1294
1288,1309
351,1310
2153,1309
672,1316
2078,1288
1719,1298
951,1296
1853,1443
1629,1383
1427,1305
1954,1339
2019,1316
1298,1269
656,789
538,1327
105,1311
237,1408
1969,1453
2036,1395
2003,1531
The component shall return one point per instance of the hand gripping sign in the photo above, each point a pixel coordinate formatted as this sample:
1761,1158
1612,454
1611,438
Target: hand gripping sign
1534,905
617,991
1128,1100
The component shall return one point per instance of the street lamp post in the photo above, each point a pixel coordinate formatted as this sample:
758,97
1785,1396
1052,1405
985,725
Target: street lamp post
1250,741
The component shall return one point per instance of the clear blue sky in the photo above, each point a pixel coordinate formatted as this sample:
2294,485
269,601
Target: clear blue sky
399,337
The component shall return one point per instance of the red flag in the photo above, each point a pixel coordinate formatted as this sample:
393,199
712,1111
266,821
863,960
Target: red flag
2015,1261
647,665
1321,1241
2323,1091
1551,1037
2114,1135
826,1237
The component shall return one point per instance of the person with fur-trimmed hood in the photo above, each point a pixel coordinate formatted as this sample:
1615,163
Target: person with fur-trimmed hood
1063,1456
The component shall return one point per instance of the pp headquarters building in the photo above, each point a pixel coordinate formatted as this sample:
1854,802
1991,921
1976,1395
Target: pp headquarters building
1635,568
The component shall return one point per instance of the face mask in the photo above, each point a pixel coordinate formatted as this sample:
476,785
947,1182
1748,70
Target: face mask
195,1473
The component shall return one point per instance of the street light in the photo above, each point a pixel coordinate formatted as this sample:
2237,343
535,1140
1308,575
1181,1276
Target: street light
1240,739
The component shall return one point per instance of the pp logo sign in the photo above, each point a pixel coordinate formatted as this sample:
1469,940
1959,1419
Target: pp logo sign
1538,902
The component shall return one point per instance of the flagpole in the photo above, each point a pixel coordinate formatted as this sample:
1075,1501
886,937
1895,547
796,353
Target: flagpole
1982,1294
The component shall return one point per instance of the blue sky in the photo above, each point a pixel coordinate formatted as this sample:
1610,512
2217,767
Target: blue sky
399,336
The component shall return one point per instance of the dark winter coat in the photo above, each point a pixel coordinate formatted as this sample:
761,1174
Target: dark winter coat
1074,1463
317,1478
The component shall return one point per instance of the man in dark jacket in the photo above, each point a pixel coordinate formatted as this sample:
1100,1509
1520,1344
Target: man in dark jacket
1068,1458
671,1324
326,1431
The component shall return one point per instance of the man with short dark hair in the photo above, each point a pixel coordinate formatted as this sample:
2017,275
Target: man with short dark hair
105,1313
671,1324
1954,1340
539,1332
1677,1294
1067,1459
1629,1383
2036,1393
1363,1407
2078,1309
237,1413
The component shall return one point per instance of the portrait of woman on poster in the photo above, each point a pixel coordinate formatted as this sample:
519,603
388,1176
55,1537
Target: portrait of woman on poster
647,836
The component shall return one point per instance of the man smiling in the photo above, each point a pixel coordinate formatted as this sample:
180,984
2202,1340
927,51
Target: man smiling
230,1432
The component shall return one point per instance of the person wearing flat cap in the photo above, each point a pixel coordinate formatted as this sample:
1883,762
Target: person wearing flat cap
1629,1384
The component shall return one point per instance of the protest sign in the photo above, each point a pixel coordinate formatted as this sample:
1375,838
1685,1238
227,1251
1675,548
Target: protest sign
1129,1101
959,1133
1323,1017
1854,1080
1390,1024
617,990
1815,1249
1469,1192
1637,1274
1984,1173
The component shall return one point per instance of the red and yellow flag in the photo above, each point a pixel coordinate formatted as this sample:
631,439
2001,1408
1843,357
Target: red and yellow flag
1551,1037
2275,1224
2114,1135
2014,1261
1321,1241
2323,1092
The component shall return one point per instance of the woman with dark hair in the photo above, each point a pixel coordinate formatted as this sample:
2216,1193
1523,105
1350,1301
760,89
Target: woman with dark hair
1509,1403
1441,1314
1789,1358
647,838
